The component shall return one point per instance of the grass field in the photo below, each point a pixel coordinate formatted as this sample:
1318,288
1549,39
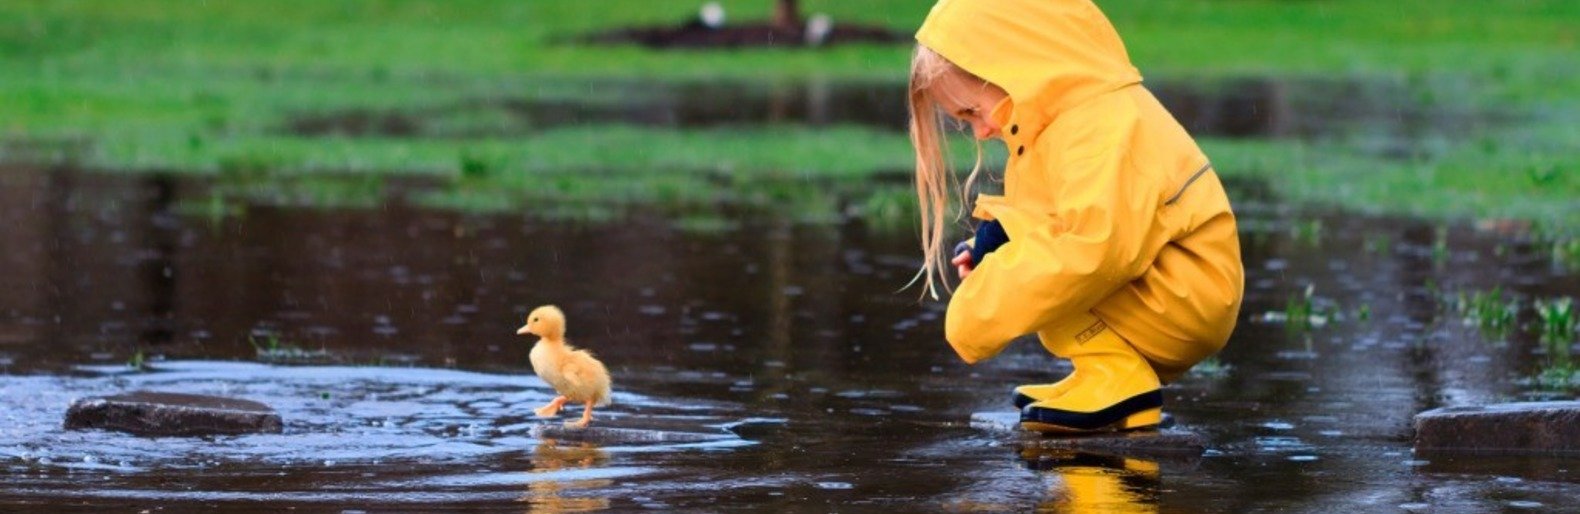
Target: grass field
208,87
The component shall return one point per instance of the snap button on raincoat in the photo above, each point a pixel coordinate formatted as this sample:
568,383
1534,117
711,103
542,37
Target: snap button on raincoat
1114,215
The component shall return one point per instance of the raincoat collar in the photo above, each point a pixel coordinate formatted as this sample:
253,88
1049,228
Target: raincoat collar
1048,55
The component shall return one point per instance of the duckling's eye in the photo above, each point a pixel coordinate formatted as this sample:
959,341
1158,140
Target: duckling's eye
534,319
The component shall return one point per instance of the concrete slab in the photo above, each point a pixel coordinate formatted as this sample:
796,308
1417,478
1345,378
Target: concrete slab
1537,428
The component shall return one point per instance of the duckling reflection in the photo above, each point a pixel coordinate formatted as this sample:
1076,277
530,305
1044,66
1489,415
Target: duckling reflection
1093,482
546,495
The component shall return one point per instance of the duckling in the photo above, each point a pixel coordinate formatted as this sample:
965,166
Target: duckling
573,373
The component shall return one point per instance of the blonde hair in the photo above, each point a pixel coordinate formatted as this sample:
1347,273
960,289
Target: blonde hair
931,76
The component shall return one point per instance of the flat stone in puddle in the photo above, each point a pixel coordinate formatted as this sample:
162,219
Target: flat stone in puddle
1542,428
1172,442
156,414
623,436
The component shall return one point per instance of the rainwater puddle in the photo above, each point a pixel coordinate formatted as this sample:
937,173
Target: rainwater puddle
1381,110
754,368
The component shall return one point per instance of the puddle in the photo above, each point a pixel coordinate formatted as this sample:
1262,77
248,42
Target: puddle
686,105
818,386
1234,108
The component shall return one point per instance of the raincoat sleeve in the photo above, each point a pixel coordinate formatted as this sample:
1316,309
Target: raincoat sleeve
1059,262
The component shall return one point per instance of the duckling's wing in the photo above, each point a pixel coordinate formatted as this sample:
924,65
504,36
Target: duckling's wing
580,379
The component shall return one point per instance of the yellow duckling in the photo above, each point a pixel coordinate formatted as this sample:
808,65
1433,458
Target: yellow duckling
575,374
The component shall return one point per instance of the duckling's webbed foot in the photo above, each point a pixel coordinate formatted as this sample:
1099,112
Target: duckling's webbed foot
552,409
586,418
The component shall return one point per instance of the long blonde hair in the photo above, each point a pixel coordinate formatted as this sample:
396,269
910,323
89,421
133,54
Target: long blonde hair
933,75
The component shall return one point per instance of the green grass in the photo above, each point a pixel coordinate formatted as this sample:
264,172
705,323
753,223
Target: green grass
209,87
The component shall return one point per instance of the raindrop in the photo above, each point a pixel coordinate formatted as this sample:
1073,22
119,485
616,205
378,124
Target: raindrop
1522,504
1416,462
1302,458
834,485
1278,425
1415,507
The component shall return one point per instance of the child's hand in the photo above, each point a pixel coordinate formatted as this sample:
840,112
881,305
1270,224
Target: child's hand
962,262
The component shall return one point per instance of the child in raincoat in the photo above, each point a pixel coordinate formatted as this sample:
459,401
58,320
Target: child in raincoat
1113,240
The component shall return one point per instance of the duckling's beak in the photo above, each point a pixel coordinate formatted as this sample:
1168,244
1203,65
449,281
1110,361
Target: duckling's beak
523,331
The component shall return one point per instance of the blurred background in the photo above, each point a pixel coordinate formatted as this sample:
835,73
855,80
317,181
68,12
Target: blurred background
363,198
1460,109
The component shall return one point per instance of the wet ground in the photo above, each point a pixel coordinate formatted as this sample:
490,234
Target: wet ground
772,367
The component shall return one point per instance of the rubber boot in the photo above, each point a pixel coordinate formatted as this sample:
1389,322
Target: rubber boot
1118,389
1031,393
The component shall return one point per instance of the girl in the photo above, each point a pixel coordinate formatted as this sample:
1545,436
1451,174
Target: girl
1113,240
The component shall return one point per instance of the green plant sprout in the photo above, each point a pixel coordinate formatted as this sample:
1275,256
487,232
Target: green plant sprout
1557,319
1488,310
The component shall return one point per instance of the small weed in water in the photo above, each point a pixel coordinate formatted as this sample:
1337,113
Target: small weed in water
1309,232
1212,367
1440,246
1379,244
137,362
1558,376
1301,312
1566,252
273,350
1558,372
271,343
1558,320
1489,310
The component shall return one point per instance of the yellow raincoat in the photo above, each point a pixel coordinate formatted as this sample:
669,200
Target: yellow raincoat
1113,214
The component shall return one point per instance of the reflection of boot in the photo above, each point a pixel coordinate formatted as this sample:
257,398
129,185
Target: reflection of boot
1098,483
1118,389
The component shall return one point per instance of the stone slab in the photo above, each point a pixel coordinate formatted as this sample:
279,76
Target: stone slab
1167,442
624,436
1537,428
157,414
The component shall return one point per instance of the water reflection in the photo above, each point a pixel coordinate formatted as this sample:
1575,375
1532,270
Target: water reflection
557,495
1253,107
1095,482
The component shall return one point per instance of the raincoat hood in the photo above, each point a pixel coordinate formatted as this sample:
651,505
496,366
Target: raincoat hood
1048,55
